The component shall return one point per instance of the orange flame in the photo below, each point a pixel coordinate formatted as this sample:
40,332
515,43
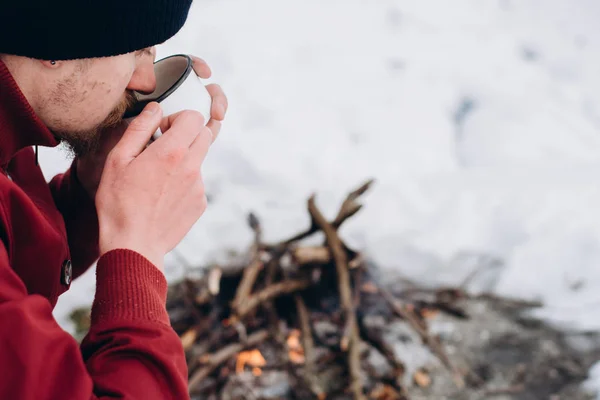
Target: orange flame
252,358
296,351
293,341
429,313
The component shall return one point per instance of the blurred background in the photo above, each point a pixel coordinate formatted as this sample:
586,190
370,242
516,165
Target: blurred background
478,119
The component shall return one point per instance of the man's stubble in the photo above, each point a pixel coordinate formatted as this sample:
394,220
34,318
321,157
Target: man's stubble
83,142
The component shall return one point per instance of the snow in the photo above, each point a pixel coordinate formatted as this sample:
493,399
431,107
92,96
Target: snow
592,384
479,119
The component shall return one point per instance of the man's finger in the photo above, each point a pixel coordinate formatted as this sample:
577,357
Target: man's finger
166,122
199,148
219,101
201,67
140,131
215,127
183,130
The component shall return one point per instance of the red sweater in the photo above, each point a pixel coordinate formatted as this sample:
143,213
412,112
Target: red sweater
131,351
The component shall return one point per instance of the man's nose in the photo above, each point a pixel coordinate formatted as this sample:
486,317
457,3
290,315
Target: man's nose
143,79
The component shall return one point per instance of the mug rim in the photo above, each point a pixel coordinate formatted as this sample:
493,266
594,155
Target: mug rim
139,106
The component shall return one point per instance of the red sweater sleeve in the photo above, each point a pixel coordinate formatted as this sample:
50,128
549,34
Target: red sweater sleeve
131,352
79,212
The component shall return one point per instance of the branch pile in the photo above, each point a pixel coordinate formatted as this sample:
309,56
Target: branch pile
291,322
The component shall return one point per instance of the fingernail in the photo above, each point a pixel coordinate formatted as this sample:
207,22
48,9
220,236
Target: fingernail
151,108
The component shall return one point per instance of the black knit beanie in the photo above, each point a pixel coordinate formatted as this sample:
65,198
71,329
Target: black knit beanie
73,29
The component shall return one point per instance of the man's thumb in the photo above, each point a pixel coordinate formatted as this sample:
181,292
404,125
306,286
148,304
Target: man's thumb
140,131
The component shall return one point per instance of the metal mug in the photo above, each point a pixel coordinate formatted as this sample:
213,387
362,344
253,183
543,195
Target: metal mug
177,88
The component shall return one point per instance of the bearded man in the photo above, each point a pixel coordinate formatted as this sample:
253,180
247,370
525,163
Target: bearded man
68,71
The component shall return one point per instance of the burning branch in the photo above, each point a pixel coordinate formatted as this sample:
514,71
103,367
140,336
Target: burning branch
212,361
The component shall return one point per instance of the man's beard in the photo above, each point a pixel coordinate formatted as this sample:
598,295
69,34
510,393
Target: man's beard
82,143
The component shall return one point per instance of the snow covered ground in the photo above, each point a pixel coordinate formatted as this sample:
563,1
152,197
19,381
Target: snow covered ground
480,120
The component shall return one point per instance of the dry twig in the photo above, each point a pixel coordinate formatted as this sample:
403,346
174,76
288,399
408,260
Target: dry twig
269,293
343,275
245,287
250,273
311,255
505,390
375,339
310,374
433,343
348,209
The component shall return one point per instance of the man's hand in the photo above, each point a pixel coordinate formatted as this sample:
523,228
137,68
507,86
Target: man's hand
149,198
90,168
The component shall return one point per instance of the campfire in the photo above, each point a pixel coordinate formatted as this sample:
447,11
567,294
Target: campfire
292,318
